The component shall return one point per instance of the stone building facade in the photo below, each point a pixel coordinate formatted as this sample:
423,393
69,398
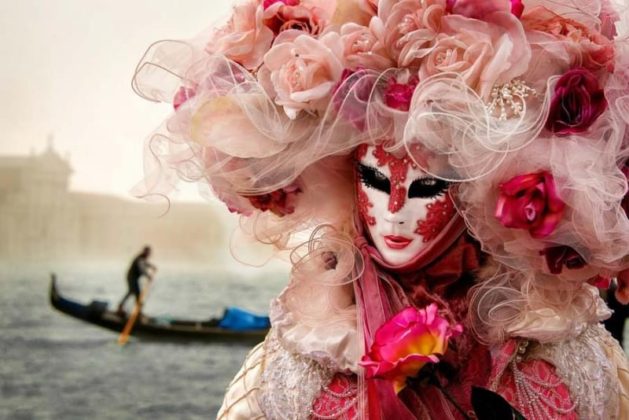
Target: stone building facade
41,220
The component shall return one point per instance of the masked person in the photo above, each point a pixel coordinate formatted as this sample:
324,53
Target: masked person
457,166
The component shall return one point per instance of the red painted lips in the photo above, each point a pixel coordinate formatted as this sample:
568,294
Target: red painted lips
397,242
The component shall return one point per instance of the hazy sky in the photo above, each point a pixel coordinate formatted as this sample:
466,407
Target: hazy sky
66,69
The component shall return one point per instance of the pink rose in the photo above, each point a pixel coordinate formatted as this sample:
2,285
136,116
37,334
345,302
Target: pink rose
399,95
484,54
363,47
307,16
269,3
530,202
481,9
406,342
558,257
577,102
587,47
302,71
280,202
244,39
410,26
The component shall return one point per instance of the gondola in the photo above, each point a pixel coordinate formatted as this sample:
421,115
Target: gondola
156,328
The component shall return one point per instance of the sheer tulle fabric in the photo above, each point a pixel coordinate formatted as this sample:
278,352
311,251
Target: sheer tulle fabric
316,314
228,133
536,306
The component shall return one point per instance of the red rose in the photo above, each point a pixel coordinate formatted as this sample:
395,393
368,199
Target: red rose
399,95
558,257
578,102
279,202
530,202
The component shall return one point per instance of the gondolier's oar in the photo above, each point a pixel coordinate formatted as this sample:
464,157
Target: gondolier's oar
126,331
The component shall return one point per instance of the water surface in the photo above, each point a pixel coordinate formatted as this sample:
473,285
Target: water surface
56,367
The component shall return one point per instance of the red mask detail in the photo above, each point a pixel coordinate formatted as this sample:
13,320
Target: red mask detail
399,169
361,151
362,198
364,205
439,215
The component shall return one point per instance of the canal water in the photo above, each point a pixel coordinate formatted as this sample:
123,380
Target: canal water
55,367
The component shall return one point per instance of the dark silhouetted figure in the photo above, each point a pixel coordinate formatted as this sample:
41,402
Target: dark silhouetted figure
139,267
616,324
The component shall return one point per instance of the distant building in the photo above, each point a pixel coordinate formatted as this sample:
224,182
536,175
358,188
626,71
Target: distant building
42,221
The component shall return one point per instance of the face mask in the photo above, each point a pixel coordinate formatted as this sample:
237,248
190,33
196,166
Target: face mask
402,206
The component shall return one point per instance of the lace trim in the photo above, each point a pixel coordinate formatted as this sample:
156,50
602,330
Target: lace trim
530,383
338,400
290,383
540,398
583,365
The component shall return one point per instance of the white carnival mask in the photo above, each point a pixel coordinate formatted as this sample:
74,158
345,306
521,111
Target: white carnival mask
402,206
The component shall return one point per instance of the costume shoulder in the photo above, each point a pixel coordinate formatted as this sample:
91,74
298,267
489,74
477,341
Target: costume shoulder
585,377
274,383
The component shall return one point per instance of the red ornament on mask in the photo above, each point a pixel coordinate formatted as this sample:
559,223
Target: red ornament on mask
399,170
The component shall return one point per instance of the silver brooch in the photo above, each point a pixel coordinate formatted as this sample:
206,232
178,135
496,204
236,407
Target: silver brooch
508,100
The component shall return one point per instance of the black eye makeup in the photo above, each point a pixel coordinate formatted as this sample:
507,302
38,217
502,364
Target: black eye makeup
427,188
373,178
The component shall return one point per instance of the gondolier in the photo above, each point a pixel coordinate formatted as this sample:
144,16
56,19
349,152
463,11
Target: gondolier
140,266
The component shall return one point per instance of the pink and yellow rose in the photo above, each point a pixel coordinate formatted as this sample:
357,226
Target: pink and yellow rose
301,71
245,39
530,202
405,343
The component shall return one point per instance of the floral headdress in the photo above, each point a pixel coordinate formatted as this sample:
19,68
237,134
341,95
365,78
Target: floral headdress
524,103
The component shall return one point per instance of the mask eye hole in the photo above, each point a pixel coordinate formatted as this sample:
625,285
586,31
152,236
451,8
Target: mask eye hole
427,188
373,178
